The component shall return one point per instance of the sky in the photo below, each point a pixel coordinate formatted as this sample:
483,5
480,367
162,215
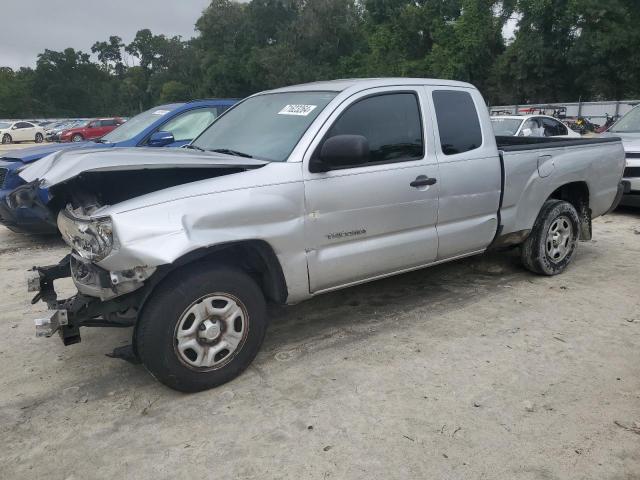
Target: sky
30,26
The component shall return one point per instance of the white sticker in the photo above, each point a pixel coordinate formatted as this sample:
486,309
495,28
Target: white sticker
299,110
160,112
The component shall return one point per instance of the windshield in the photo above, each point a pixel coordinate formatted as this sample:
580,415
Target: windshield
266,127
506,127
630,123
4,125
135,126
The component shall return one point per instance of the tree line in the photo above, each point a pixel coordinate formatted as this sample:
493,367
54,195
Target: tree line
561,50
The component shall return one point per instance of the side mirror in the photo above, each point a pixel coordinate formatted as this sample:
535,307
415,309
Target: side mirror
160,139
341,151
14,128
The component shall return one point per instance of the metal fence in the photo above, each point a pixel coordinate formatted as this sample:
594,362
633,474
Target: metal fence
596,112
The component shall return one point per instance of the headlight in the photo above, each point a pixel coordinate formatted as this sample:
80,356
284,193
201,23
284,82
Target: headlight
92,238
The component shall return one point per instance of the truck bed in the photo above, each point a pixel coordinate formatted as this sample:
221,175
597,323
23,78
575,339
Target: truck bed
534,168
517,144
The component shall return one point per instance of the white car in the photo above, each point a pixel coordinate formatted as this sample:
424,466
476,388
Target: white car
531,126
21,132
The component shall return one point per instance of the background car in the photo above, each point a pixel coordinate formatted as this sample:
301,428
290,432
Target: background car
171,125
91,130
531,126
628,129
13,132
52,132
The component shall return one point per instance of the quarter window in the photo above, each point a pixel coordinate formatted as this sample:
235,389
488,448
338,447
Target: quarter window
458,122
390,122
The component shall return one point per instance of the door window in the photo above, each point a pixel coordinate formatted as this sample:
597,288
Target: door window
458,121
553,128
390,122
190,124
532,128
23,125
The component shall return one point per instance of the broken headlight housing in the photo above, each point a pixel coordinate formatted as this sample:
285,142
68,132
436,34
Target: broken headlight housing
91,238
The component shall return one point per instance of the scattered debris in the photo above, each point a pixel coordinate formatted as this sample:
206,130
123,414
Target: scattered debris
635,428
456,431
125,353
477,404
445,455
327,448
560,339
529,406
408,438
310,427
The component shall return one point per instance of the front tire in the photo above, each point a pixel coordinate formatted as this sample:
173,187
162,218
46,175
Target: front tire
39,138
6,139
77,138
553,241
202,327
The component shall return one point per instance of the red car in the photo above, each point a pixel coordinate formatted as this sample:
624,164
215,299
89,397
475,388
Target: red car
90,130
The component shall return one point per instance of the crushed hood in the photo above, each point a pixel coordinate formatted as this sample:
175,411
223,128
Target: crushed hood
62,166
31,154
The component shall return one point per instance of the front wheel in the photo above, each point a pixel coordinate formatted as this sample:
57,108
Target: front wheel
202,327
39,138
6,139
77,138
552,243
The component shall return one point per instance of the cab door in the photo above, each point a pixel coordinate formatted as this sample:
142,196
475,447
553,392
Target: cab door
378,217
470,172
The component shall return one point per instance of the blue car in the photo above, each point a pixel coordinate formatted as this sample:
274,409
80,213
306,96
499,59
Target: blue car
172,125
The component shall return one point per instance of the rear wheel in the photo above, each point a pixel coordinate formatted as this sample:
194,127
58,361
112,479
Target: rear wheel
552,243
77,138
202,327
39,138
6,139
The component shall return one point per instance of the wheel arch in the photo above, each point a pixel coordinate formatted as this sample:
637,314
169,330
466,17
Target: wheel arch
255,257
578,195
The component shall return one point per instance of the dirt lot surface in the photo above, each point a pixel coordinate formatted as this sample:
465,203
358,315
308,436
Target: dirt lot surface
471,370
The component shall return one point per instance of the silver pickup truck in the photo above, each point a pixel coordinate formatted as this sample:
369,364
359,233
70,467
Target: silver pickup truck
299,191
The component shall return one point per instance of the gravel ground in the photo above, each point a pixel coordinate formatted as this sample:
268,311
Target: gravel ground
473,370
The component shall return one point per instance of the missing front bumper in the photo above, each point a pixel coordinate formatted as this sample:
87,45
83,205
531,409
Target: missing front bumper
67,316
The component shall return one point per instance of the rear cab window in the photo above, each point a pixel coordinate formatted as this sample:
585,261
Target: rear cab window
458,122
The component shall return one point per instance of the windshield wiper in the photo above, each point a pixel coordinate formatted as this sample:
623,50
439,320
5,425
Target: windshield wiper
228,151
194,147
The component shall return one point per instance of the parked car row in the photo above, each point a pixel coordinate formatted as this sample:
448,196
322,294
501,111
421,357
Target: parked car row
172,125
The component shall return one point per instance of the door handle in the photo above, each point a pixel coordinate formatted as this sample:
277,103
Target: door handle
423,181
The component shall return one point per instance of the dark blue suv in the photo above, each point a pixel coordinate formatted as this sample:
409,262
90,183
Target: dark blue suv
172,125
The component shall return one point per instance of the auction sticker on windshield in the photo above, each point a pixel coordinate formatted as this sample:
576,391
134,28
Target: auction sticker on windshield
300,110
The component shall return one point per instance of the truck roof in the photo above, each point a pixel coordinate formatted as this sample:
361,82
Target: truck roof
365,83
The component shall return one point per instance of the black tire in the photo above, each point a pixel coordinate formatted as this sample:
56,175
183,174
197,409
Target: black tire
536,249
39,138
157,329
6,139
77,138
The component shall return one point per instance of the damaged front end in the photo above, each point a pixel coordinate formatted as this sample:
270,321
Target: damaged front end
104,298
